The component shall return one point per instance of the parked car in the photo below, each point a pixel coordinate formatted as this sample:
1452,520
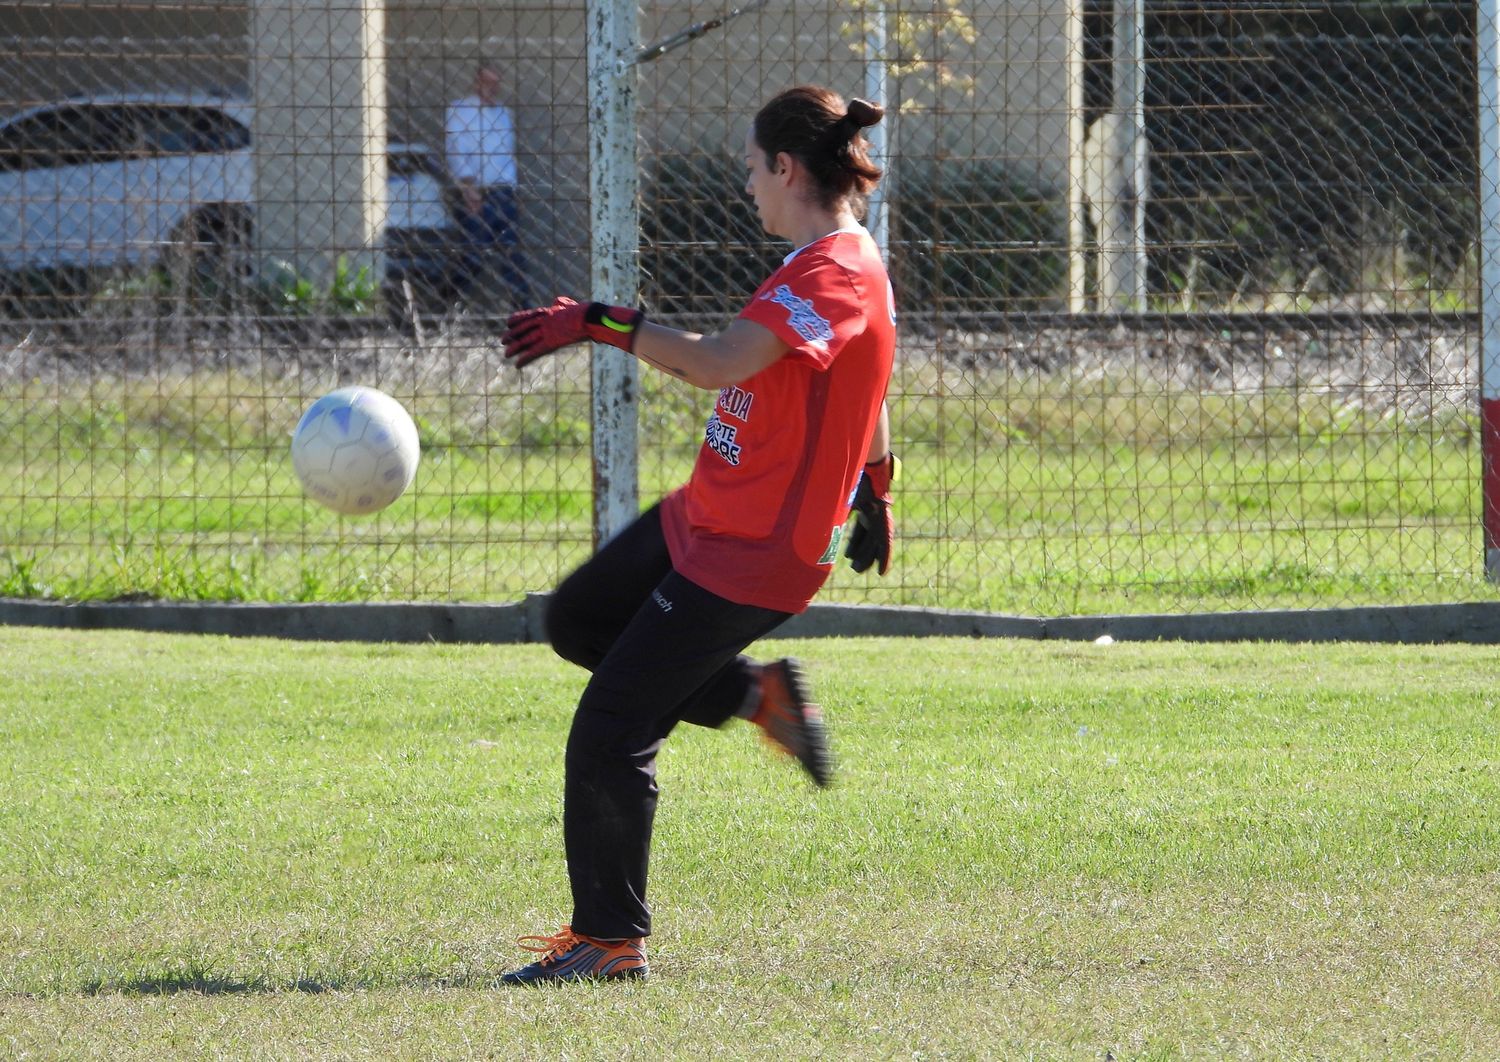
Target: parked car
128,180
423,248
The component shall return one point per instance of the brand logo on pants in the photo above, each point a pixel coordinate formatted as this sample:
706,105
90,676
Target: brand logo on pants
661,602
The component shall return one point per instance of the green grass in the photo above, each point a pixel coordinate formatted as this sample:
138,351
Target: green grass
1034,494
1052,850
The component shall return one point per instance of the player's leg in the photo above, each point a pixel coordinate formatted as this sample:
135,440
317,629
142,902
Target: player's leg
682,647
592,606
589,609
676,643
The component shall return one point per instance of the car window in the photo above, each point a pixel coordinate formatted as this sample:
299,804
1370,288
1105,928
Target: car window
68,136
190,130
85,134
15,145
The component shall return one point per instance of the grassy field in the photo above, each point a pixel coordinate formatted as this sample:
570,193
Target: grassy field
1085,488
260,849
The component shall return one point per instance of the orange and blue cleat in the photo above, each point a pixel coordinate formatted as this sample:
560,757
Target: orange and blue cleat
790,721
570,956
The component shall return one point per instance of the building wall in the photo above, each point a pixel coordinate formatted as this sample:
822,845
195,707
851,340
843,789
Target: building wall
1004,105
1014,111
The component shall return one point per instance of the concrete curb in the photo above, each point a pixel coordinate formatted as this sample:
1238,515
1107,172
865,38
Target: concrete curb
375,622
1474,623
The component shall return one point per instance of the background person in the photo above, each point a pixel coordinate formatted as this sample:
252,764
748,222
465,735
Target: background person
662,613
480,149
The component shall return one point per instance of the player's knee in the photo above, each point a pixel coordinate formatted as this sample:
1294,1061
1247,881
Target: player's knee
603,742
566,630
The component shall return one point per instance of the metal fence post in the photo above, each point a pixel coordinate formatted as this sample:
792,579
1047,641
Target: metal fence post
877,88
1487,16
614,238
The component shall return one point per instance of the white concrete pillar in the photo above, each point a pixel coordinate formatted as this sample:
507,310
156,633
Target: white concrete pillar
1122,232
1078,189
318,78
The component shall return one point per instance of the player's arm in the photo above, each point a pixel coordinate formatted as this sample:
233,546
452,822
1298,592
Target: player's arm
880,442
713,361
708,361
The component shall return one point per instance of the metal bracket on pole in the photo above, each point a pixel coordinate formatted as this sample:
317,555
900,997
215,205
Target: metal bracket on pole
693,32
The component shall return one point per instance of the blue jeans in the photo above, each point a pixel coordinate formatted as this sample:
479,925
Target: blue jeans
491,241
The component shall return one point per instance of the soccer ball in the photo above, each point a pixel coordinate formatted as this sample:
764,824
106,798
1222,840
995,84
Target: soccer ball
355,450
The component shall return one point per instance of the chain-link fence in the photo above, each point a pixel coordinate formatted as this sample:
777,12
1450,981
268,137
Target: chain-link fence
1190,293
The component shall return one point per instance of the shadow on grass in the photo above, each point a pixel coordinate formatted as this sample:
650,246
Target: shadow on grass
171,984
175,984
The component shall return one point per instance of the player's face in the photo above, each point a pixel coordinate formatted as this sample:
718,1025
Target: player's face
760,184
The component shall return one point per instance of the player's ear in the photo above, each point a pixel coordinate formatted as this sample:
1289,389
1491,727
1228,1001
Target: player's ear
784,163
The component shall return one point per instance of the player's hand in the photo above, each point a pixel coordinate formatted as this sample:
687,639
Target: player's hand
874,526
529,334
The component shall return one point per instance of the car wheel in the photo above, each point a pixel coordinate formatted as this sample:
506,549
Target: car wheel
211,258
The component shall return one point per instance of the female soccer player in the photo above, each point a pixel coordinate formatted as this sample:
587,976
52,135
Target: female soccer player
662,613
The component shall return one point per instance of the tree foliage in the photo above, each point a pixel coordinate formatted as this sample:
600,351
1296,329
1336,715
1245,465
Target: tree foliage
917,43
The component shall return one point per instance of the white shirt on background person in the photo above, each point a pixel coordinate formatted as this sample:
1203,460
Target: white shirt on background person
481,142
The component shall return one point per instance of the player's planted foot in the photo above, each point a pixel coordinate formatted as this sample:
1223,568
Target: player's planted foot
570,956
790,721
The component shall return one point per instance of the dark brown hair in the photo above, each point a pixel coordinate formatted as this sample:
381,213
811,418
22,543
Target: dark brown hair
814,126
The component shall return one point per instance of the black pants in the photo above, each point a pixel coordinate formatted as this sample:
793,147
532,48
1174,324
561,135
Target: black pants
662,651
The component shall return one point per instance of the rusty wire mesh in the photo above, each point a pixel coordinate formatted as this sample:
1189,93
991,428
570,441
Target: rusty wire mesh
1285,416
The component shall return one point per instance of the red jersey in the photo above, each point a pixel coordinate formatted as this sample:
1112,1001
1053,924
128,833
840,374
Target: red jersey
761,520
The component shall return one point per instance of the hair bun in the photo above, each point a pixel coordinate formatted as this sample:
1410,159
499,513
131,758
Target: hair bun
863,113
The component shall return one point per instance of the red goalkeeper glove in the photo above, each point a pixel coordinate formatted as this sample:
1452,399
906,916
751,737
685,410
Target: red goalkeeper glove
874,526
531,333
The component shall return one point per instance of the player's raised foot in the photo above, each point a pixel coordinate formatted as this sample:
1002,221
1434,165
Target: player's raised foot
790,721
570,956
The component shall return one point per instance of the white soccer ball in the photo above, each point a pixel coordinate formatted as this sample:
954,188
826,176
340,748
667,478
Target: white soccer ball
355,450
